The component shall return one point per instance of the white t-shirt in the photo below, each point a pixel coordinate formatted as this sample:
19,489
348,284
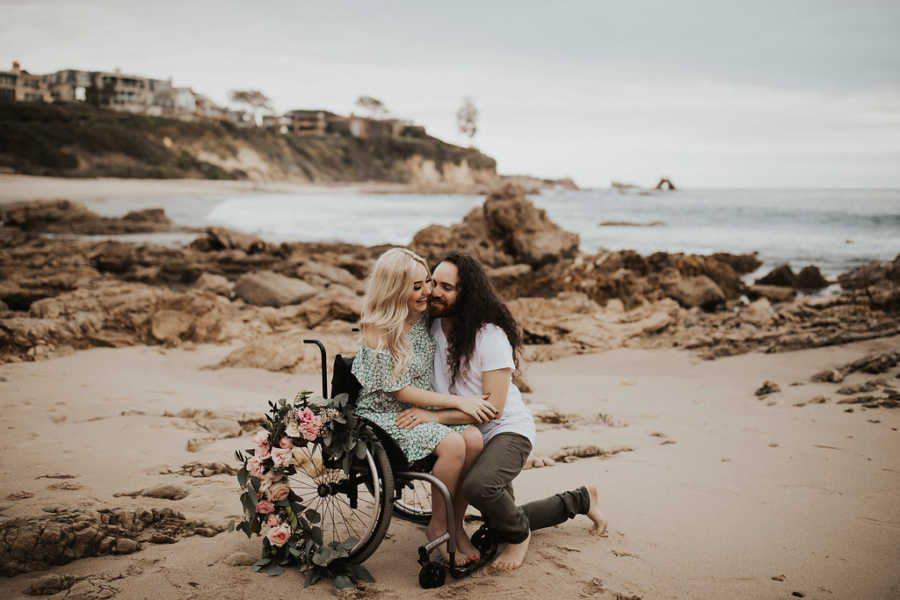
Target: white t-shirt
492,351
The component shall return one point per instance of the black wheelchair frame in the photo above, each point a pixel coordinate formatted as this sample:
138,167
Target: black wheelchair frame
432,573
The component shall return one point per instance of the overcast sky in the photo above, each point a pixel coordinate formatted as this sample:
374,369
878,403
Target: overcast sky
710,93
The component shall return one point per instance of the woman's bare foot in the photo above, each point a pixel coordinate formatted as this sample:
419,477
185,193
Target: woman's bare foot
594,514
464,545
512,556
432,533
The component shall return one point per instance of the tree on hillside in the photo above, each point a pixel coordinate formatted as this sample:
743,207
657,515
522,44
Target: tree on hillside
375,106
255,99
467,118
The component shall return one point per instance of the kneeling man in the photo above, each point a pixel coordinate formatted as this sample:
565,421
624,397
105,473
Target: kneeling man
477,347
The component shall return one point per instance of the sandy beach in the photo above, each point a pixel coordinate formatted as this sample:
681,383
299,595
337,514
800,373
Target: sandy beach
720,493
132,372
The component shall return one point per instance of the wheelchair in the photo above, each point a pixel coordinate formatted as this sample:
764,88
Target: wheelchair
380,485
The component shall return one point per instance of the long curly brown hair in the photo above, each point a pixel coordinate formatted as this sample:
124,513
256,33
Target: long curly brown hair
477,304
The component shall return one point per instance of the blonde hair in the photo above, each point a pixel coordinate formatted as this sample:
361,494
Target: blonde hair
385,303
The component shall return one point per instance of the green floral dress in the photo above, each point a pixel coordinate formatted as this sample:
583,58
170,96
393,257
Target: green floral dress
376,399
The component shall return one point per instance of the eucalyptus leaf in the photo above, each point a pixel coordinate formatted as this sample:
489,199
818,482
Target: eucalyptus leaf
312,577
360,573
242,477
312,516
273,570
342,582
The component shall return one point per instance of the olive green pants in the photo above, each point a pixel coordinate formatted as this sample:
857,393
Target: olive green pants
488,487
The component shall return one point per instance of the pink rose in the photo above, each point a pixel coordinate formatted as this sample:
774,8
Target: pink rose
286,443
278,536
306,416
261,439
255,466
264,507
273,521
278,491
281,456
310,429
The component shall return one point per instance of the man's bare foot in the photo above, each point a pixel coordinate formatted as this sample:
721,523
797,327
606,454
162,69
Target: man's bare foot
594,514
512,557
461,557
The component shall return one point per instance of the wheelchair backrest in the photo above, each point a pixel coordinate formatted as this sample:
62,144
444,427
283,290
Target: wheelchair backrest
342,380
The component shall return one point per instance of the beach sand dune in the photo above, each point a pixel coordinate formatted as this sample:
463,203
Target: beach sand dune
722,494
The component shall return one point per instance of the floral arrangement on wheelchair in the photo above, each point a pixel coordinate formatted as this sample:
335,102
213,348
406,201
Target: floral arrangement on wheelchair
307,484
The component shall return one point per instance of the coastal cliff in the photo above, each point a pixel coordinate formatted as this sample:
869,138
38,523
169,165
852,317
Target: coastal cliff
75,140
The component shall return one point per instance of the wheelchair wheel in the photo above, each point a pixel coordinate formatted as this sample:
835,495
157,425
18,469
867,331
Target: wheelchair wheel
358,505
414,501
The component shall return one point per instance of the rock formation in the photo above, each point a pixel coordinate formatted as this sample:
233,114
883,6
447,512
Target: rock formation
60,295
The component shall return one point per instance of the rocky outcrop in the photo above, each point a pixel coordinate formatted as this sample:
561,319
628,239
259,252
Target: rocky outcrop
57,296
809,278
265,288
508,229
876,283
65,216
66,534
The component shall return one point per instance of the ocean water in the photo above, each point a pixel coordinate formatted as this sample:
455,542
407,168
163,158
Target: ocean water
833,229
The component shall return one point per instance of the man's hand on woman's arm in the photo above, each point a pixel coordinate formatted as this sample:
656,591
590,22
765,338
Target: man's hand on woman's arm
413,416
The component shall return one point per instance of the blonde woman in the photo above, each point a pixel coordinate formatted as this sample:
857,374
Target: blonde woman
394,366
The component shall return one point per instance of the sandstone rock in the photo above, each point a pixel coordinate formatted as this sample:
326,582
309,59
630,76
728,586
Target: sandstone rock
213,283
768,387
64,216
526,232
238,559
287,352
126,546
49,584
334,303
323,275
220,238
148,215
810,278
741,263
504,277
697,291
170,325
773,292
759,312
781,276
66,534
266,288
166,491
871,274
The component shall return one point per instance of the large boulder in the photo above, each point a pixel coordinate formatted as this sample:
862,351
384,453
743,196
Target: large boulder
527,234
810,278
781,275
508,229
213,283
266,288
696,291
169,325
335,303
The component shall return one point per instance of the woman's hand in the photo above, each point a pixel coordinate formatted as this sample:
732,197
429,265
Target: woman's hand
477,407
413,416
